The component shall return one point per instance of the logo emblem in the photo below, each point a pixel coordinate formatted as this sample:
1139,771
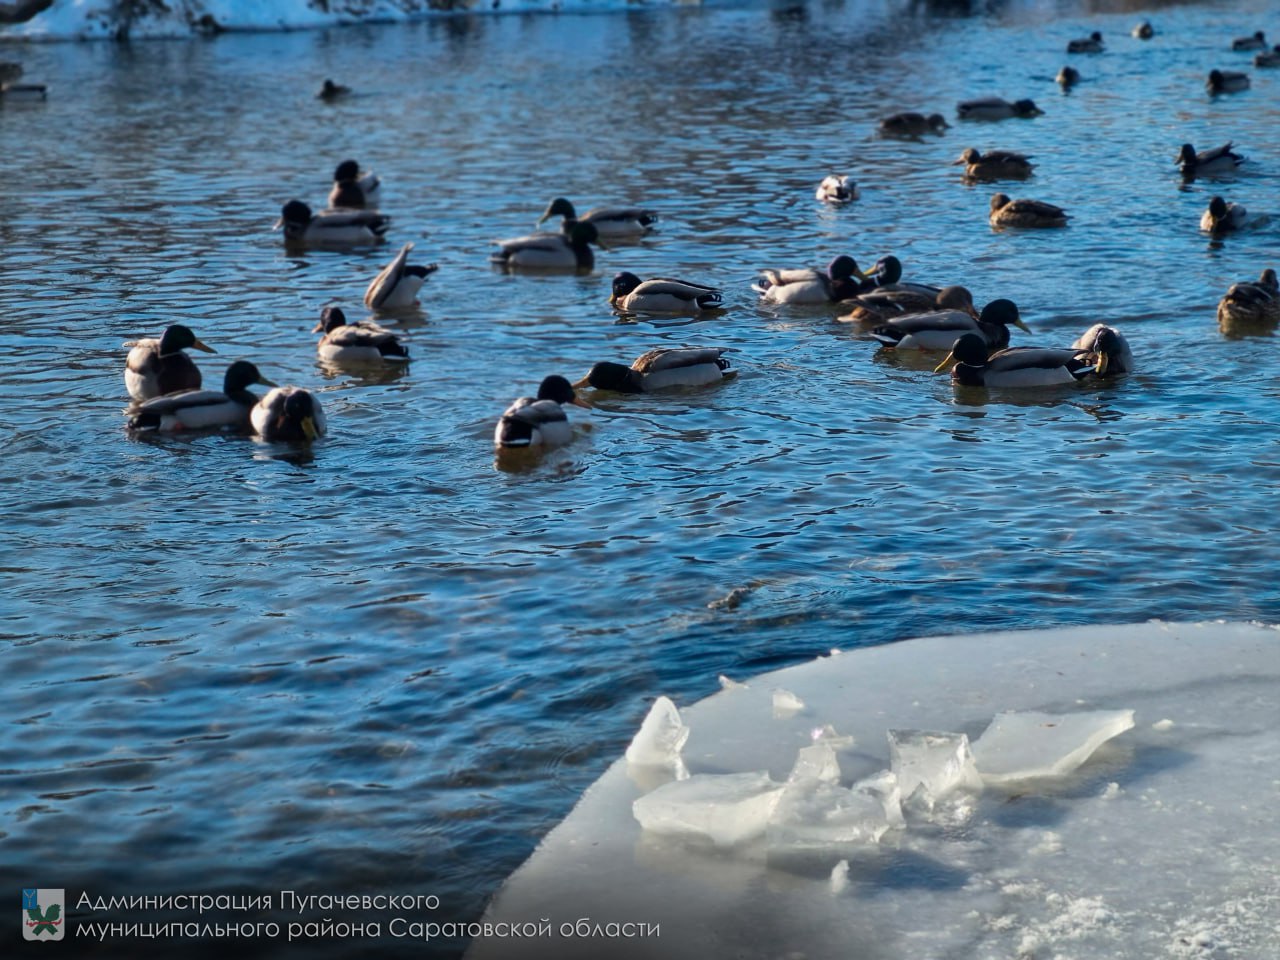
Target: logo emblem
42,914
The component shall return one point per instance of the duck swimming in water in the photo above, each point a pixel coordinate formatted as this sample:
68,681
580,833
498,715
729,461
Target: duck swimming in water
994,165
881,306
836,189
1223,217
353,187
1109,343
538,423
630,294
611,223
1219,160
996,108
397,284
807,285
336,229
1256,42
1090,44
972,366
158,366
362,342
1025,213
913,125
939,330
1252,306
661,369
288,415
204,409
549,251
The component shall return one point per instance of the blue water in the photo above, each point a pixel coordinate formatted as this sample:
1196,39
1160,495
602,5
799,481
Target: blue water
387,664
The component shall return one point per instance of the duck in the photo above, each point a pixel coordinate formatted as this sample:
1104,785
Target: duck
397,284
1226,81
1067,77
1208,162
1223,217
204,409
1256,42
939,330
24,91
1090,44
995,108
1268,58
538,423
994,165
880,306
609,222
661,369
1109,344
555,251
971,366
353,187
362,342
340,228
808,285
1143,31
331,91
913,125
1251,306
836,189
662,295
288,415
155,367
1025,213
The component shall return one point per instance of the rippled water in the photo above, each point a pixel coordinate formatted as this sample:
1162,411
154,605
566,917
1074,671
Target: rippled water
386,665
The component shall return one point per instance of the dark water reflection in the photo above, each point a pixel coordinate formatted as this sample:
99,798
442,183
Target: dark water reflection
389,663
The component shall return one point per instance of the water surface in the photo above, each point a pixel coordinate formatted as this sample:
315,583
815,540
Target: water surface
385,664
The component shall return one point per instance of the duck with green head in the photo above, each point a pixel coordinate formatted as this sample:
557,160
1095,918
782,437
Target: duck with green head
155,367
204,409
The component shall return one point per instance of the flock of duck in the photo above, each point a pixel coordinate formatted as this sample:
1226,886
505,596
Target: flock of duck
167,389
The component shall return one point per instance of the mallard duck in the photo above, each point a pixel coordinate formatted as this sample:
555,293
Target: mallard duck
1067,77
555,251
1223,217
353,187
994,165
880,306
662,295
397,284
1256,42
938,331
538,423
995,108
1226,81
204,409
1025,213
661,369
331,91
610,222
836,189
288,415
362,342
24,91
1268,58
884,273
1090,44
1143,31
339,228
1110,346
1208,162
1016,367
1251,306
913,125
808,285
156,367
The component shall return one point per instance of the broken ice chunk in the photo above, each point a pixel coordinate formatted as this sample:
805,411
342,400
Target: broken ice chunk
728,684
727,809
1021,746
817,762
660,738
785,704
884,785
813,814
929,765
827,734
840,876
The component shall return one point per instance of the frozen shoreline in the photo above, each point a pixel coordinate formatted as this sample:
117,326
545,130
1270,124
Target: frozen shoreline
96,20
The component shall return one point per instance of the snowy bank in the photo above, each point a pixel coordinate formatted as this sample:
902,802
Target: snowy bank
1117,802
109,19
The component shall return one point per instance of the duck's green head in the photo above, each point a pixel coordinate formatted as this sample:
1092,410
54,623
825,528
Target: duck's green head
611,376
559,207
331,318
178,337
1003,312
557,388
241,375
